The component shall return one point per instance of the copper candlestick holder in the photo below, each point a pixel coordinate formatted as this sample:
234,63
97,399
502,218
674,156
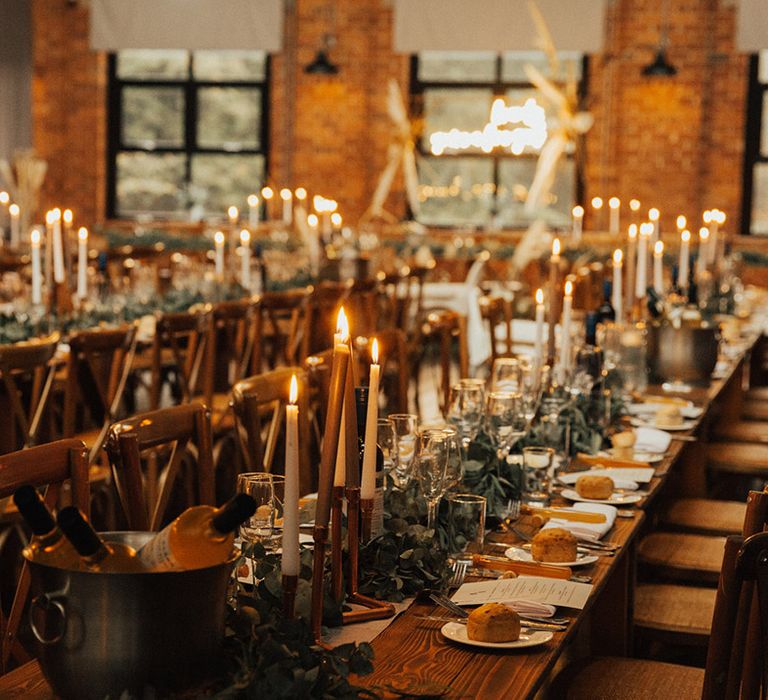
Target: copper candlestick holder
366,508
320,537
290,584
337,580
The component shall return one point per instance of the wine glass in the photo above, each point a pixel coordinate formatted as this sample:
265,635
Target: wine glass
431,468
465,411
455,471
587,369
385,438
259,486
404,427
505,420
505,374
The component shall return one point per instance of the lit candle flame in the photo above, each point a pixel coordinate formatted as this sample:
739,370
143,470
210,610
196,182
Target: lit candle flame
218,238
35,237
539,296
14,210
342,325
301,194
614,202
253,200
233,213
597,202
245,236
646,229
4,197
681,222
617,256
293,394
658,248
56,214
82,233
68,216
720,216
578,211
707,216
703,233
632,232
686,235
285,194
568,288
634,204
556,247
267,192
336,218
375,351
653,214
312,220
49,217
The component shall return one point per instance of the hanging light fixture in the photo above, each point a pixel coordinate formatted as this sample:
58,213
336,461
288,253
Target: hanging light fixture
660,67
321,64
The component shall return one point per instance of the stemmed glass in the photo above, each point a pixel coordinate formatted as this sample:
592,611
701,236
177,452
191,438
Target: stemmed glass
455,473
505,420
506,374
404,427
587,370
431,468
465,411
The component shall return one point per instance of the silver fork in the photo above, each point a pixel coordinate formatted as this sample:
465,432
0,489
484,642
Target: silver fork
459,571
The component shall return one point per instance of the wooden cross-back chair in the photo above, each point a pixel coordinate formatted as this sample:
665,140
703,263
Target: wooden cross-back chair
230,353
50,466
259,406
320,318
179,348
27,374
100,362
496,311
318,368
395,370
175,432
735,656
363,303
279,320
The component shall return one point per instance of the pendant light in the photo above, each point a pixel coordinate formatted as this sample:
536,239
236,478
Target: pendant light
660,67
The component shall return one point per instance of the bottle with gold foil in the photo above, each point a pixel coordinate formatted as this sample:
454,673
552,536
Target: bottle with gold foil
201,536
94,553
48,545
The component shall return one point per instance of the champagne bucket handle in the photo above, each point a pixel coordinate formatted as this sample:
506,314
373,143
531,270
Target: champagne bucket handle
47,603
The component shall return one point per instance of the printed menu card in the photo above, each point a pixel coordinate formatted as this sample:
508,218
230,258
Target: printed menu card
535,589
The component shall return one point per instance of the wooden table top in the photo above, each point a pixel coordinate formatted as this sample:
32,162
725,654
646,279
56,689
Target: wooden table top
411,652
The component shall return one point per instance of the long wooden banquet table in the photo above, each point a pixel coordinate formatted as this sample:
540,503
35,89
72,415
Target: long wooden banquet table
411,655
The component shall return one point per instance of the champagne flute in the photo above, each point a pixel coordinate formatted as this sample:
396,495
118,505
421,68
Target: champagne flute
465,411
505,374
505,420
259,486
431,467
404,427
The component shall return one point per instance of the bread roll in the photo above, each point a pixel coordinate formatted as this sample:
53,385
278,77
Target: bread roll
554,545
493,622
669,417
624,444
597,487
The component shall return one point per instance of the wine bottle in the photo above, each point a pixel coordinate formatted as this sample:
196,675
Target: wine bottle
606,312
94,553
377,517
48,545
201,536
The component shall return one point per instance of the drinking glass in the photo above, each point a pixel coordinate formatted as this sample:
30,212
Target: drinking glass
505,420
455,472
537,464
431,468
587,369
466,523
385,438
633,362
506,374
465,411
404,428
259,486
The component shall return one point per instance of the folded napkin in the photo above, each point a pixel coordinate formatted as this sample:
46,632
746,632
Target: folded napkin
587,531
526,607
651,440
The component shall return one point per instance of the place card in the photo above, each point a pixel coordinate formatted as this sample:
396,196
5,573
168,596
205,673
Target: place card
534,589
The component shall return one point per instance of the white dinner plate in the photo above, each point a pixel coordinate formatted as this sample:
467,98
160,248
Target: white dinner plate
520,554
457,632
649,457
685,425
644,409
616,499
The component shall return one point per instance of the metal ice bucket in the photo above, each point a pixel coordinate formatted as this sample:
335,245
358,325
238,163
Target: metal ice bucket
100,634
685,354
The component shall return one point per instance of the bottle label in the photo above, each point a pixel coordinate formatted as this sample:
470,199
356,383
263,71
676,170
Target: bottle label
156,554
377,515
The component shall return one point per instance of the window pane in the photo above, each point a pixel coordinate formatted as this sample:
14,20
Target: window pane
229,118
456,190
153,117
152,64
762,67
228,66
764,126
515,179
466,109
760,199
150,182
219,181
513,62
457,66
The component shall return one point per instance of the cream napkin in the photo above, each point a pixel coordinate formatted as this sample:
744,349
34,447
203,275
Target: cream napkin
651,440
587,531
526,607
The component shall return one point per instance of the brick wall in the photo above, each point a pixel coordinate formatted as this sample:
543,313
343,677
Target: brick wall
673,143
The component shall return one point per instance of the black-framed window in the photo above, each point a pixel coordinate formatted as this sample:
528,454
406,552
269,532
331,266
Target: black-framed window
187,131
755,198
467,186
